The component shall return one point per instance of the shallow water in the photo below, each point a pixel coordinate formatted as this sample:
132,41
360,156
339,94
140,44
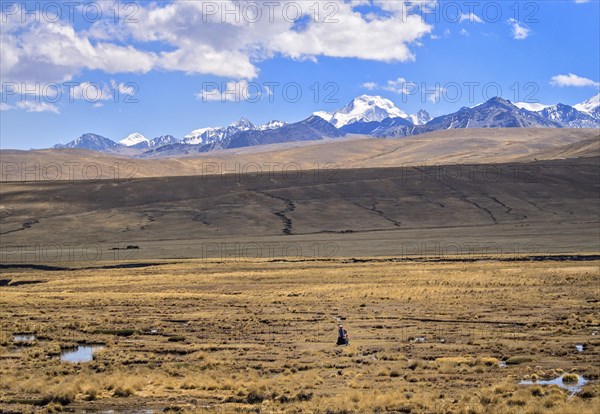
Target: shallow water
572,387
83,353
24,338
579,348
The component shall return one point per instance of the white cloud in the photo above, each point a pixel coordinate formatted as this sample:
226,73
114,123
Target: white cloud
383,39
519,31
369,85
90,92
572,80
400,86
94,92
184,36
32,106
470,17
5,107
40,51
464,32
582,1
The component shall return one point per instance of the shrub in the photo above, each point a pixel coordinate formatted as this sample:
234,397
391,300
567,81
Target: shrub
123,391
516,360
255,397
570,378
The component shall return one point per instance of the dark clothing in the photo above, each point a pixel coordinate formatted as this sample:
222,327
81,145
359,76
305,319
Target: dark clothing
342,336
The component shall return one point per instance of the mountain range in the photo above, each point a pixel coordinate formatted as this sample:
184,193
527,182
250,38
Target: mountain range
366,115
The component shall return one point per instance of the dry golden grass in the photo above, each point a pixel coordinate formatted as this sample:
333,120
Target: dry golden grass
202,336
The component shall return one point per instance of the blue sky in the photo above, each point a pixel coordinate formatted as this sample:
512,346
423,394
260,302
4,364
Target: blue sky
160,57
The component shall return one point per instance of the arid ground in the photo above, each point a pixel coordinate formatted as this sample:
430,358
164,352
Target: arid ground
201,291
259,336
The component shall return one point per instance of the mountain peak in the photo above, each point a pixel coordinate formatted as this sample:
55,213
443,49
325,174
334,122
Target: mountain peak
499,100
421,117
243,123
591,106
91,141
133,139
364,108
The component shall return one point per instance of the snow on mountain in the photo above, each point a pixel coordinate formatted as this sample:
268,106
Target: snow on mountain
162,141
364,108
569,117
590,107
92,142
533,107
420,118
212,135
583,115
323,115
495,113
271,125
133,139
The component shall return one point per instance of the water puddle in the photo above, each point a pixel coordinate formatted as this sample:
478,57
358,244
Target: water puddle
579,348
24,338
572,386
83,353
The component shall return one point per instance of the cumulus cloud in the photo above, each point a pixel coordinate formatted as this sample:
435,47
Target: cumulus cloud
572,80
226,38
369,86
32,106
400,86
39,50
519,31
470,17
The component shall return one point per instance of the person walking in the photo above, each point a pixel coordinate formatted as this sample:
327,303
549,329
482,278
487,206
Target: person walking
342,336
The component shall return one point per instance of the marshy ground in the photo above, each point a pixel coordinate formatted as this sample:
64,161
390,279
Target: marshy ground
259,336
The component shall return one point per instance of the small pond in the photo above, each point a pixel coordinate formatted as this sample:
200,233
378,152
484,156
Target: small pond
82,353
572,387
23,338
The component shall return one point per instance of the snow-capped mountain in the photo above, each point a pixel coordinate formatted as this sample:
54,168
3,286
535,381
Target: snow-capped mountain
590,107
311,129
271,125
582,115
495,113
420,118
138,141
133,139
569,117
162,141
531,106
211,135
370,115
364,108
92,142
